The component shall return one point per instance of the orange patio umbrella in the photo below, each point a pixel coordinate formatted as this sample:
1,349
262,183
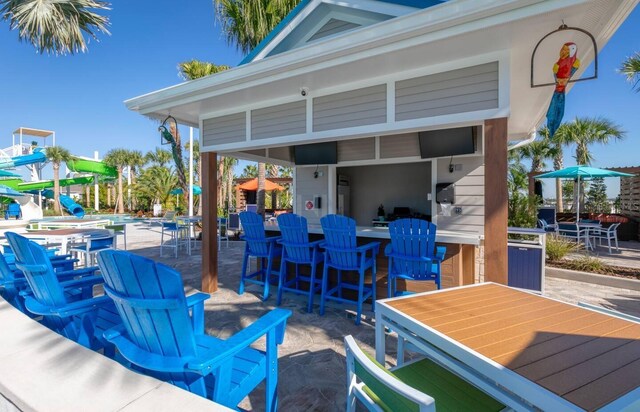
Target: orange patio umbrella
253,185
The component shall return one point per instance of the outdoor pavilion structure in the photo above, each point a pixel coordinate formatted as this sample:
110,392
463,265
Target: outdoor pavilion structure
371,76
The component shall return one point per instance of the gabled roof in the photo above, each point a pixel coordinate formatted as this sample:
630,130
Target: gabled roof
312,20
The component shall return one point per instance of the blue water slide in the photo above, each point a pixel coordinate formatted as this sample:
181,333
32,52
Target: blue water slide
67,203
38,156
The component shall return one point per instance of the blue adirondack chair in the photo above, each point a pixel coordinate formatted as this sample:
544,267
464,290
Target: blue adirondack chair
258,245
82,320
297,249
13,209
343,254
412,253
13,282
160,338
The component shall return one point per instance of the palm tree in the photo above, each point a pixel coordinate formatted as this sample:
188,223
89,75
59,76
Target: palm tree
587,131
537,151
247,22
57,155
56,26
158,157
155,185
584,132
250,170
195,69
136,161
631,69
118,158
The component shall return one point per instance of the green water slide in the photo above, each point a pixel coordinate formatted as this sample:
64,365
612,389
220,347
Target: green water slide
48,184
86,165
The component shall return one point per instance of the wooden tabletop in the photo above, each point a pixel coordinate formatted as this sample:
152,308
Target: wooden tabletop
588,358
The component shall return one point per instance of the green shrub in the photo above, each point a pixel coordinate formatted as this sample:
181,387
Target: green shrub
558,248
588,264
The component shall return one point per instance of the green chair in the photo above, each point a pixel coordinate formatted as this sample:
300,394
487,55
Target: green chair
405,388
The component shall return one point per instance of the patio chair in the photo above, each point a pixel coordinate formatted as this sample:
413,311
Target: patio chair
297,249
264,248
413,254
13,210
82,319
418,386
608,234
222,231
118,230
574,232
13,284
542,224
343,254
92,246
174,231
161,339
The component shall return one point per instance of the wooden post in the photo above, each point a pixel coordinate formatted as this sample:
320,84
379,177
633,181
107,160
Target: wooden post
495,200
209,201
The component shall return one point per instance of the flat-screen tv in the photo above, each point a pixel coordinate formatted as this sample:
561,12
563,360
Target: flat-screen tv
316,154
447,142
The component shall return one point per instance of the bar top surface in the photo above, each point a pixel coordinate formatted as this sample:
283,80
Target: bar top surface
586,357
442,236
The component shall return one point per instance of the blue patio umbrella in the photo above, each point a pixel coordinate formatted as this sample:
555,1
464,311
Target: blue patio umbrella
578,173
178,191
9,192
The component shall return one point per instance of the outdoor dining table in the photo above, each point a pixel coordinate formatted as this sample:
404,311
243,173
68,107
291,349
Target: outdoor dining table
71,223
65,236
529,351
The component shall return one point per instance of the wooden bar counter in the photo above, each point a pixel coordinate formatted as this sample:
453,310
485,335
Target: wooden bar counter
458,267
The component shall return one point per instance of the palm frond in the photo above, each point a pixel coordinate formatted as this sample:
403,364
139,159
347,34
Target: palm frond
631,69
195,69
56,26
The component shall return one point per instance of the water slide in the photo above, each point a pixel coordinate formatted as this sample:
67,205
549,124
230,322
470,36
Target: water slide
86,165
38,156
68,203
48,184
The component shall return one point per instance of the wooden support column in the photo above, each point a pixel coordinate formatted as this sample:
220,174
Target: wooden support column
209,201
495,200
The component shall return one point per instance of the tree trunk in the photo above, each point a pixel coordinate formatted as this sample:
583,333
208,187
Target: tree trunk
134,203
108,195
120,205
230,188
87,196
557,165
220,181
260,198
56,188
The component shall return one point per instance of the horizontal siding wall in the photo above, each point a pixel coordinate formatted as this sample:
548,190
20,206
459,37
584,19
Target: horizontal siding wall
231,128
350,109
469,193
357,149
399,145
456,91
281,120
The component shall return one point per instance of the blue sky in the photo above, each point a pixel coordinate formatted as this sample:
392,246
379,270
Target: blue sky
81,96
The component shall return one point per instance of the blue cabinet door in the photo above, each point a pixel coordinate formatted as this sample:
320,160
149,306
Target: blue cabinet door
525,267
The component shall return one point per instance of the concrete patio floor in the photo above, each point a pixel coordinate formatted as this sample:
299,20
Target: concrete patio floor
628,255
311,360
